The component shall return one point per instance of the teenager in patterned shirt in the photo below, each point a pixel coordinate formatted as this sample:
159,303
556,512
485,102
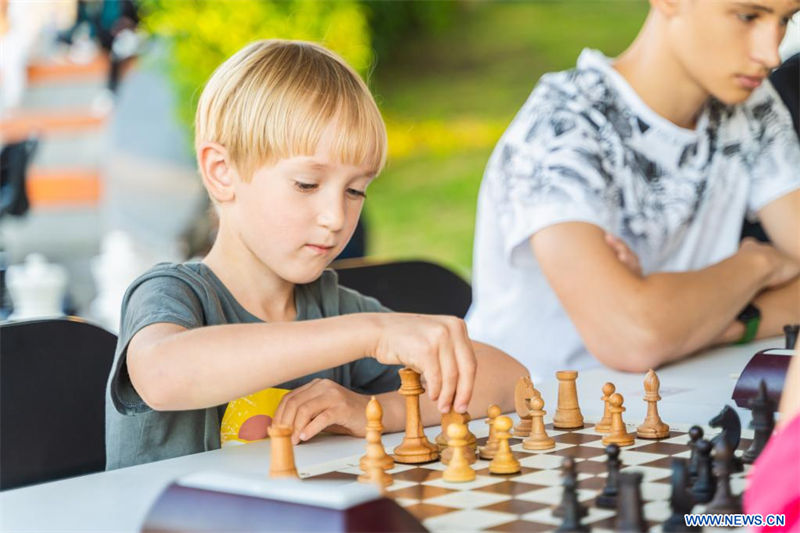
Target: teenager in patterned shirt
609,217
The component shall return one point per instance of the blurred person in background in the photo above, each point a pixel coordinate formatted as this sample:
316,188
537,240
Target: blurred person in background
22,25
112,23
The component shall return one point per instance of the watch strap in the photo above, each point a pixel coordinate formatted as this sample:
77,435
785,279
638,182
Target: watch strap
750,317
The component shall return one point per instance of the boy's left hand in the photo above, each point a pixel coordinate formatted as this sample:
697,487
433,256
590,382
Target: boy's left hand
322,404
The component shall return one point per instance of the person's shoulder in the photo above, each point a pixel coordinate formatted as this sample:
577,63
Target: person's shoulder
585,85
760,120
189,273
167,292
579,99
765,105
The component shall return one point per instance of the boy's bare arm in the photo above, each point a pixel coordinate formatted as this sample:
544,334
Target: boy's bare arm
323,404
173,368
633,323
494,384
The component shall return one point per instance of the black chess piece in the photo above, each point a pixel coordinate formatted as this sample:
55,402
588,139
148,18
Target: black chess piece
731,426
681,500
763,409
573,511
724,502
790,332
630,515
705,484
608,498
568,472
695,434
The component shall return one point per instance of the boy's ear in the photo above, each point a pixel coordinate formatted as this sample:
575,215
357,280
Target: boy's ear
217,172
666,7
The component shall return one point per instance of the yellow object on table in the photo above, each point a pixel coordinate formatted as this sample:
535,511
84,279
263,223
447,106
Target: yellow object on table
247,419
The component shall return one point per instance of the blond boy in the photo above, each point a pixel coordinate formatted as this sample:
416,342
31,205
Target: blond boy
287,138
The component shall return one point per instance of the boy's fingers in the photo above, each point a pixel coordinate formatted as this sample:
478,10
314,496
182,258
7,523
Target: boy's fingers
613,241
467,368
449,369
433,375
310,409
316,424
287,408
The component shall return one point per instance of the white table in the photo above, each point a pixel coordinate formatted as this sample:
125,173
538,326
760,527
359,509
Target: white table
693,391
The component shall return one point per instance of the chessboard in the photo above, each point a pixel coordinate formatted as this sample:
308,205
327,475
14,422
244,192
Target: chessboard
524,501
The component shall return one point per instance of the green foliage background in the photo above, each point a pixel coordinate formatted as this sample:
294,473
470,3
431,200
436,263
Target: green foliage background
448,76
203,33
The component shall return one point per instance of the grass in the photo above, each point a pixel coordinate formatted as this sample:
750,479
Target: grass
447,99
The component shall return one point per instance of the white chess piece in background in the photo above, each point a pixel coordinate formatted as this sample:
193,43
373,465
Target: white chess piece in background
37,288
119,263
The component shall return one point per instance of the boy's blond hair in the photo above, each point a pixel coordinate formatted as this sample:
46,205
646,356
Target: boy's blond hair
273,99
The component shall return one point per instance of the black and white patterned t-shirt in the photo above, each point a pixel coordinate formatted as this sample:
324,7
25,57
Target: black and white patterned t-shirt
585,147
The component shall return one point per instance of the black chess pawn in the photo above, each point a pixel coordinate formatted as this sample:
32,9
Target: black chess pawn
568,472
763,408
705,484
695,434
724,501
608,498
681,500
630,515
790,332
573,511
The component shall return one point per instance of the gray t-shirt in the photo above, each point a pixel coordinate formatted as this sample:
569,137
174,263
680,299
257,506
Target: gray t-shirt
192,296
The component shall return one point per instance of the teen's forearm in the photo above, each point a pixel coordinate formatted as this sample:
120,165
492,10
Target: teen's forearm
779,306
632,322
209,366
667,315
693,308
495,379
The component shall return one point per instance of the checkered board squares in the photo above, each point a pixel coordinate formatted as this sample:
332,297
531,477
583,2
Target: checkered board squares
524,501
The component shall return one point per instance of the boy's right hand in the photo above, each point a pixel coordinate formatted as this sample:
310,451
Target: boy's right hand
783,267
437,347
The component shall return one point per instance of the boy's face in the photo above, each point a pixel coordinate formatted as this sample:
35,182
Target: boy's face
296,215
728,46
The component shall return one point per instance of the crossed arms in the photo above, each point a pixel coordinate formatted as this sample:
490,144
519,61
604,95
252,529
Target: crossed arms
633,322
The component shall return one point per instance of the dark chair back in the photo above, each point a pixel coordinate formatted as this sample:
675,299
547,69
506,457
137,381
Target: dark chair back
408,286
52,399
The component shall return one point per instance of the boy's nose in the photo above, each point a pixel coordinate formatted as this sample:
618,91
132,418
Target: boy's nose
332,216
765,46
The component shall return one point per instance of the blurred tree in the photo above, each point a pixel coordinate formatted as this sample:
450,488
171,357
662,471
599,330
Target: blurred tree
203,33
393,22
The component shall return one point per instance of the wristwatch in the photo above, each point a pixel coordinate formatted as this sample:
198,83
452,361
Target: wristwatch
751,318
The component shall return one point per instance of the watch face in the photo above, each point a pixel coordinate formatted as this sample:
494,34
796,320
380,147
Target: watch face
749,313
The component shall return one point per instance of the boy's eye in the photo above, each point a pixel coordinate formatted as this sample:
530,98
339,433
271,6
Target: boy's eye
356,192
747,17
305,186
